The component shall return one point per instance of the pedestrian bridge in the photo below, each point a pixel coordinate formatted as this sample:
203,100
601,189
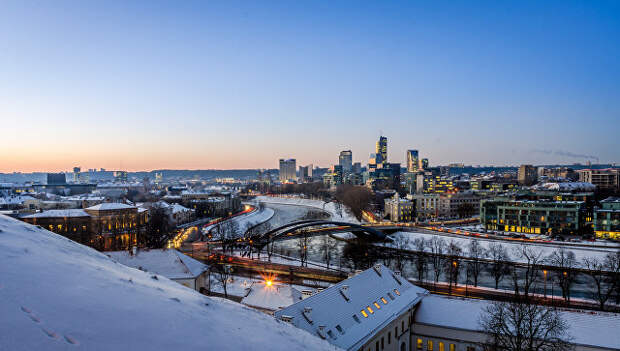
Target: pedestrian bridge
319,227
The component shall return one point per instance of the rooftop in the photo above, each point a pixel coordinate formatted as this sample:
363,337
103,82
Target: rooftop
109,206
352,310
76,212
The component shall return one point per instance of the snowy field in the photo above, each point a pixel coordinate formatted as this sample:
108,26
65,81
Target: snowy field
56,294
329,207
463,242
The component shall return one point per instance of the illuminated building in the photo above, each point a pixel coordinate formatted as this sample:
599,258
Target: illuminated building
381,152
423,164
345,160
106,226
413,162
607,219
535,217
527,175
604,179
399,210
372,310
288,167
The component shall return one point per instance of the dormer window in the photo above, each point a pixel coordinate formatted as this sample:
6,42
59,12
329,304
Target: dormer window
397,292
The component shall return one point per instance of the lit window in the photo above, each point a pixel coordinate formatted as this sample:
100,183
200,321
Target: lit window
452,347
397,292
370,309
384,300
364,314
377,305
420,344
429,345
441,347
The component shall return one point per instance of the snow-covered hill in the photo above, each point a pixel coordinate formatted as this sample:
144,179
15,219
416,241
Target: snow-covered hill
56,294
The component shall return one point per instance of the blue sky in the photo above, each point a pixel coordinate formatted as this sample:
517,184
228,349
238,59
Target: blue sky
205,84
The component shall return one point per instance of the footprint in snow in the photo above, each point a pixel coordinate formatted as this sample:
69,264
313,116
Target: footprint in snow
50,333
69,339
175,299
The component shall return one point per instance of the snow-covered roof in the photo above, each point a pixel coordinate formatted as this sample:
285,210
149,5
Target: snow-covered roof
586,328
565,186
15,200
336,306
274,297
74,212
56,294
108,206
169,263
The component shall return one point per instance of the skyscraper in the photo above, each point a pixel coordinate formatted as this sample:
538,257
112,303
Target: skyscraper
527,175
381,152
412,161
423,164
345,160
288,168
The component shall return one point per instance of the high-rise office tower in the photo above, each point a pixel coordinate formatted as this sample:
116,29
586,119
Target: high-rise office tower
357,168
76,174
288,168
412,161
345,160
423,164
381,152
527,175
372,162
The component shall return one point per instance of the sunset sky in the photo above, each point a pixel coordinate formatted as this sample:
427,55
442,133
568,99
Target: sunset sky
141,85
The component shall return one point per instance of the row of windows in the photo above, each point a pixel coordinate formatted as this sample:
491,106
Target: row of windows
380,343
441,346
376,305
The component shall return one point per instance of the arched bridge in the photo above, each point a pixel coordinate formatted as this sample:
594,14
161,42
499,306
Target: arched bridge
290,230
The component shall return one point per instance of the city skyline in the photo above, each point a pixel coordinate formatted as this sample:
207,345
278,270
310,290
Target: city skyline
142,86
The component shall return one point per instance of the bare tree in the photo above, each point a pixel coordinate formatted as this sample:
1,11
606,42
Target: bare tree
475,253
453,263
328,246
500,267
222,274
565,276
437,247
401,242
421,264
522,326
525,282
302,247
602,274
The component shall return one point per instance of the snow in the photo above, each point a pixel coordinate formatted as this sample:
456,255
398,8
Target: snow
14,200
586,328
247,220
274,297
330,207
169,263
108,206
546,249
56,294
565,186
59,213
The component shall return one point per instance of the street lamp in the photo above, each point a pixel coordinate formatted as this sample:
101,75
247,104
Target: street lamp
545,274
